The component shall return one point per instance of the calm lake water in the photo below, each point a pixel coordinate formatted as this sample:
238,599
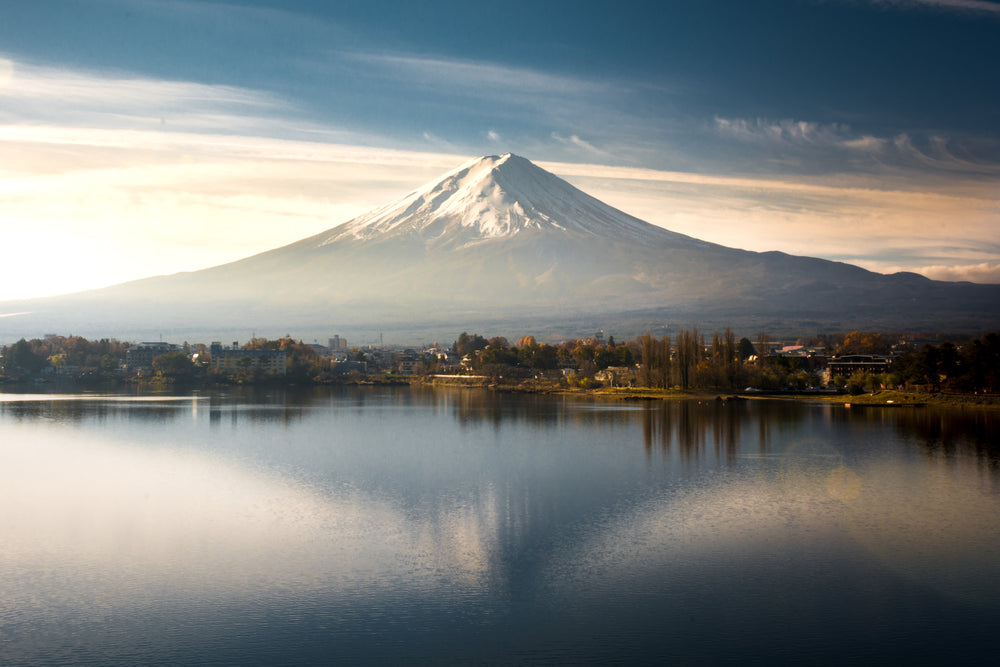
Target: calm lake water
418,526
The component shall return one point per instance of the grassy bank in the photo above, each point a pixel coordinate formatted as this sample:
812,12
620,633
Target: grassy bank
882,398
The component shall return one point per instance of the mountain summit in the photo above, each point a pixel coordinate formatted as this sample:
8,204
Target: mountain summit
492,197
500,244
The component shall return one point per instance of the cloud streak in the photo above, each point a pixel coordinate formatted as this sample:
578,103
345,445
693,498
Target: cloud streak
481,78
48,94
524,104
984,272
818,141
968,6
577,142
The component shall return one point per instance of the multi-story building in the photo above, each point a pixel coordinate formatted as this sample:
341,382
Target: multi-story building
232,359
850,364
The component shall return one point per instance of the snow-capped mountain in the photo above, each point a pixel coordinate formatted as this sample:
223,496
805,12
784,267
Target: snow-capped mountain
491,198
500,244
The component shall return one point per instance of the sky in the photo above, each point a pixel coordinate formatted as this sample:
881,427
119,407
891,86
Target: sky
147,137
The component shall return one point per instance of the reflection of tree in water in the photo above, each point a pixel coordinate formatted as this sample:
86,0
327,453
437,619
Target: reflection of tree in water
726,426
282,405
950,434
98,409
690,425
286,405
476,406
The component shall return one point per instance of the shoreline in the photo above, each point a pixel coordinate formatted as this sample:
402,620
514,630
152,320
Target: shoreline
884,398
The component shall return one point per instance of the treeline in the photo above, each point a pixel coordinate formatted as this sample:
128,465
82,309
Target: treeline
691,363
498,357
973,367
100,357
687,362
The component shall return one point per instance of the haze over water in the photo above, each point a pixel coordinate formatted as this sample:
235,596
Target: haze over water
461,526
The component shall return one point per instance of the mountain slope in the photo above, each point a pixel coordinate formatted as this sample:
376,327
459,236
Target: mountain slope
500,240
492,198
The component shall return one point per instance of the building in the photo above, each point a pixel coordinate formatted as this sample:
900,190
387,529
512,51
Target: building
409,366
850,364
349,366
615,376
337,343
232,360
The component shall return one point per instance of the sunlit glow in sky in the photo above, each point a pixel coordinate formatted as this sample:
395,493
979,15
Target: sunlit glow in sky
156,137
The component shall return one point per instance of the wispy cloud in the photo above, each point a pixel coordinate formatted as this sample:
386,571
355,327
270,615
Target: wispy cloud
985,272
832,142
974,6
796,132
438,142
480,77
26,81
576,141
468,91
937,155
42,93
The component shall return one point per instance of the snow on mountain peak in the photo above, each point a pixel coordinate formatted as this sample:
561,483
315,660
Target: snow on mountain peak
491,197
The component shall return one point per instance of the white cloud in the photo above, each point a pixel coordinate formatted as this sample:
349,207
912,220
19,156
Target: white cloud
39,94
985,272
866,144
574,140
74,87
493,136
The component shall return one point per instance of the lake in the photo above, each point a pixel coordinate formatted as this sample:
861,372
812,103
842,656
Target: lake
404,525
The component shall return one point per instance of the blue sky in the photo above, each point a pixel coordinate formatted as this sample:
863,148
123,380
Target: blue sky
158,136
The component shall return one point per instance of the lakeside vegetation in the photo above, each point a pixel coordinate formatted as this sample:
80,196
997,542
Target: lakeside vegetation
923,369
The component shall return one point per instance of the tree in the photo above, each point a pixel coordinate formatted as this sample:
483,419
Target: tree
688,356
865,342
467,344
732,363
526,341
763,345
173,364
22,357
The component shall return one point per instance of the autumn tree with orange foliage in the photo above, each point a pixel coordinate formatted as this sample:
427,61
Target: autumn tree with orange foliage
865,342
